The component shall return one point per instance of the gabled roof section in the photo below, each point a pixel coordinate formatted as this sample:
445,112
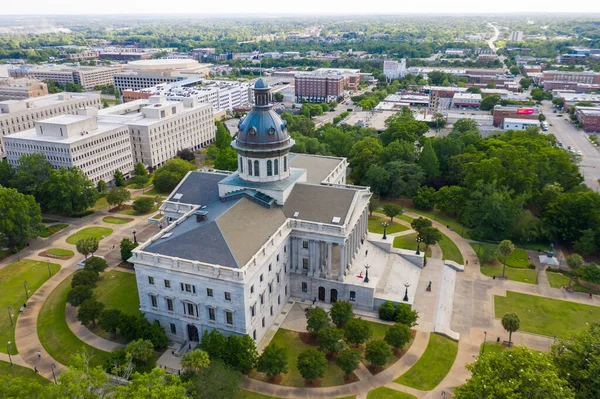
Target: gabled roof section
320,204
198,188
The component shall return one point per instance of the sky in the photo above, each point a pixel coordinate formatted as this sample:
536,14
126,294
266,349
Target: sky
274,7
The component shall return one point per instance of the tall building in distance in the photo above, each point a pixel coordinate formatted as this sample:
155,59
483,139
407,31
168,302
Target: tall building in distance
97,148
142,74
394,69
22,89
325,84
516,36
86,76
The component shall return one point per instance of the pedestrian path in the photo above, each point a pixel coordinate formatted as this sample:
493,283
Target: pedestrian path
87,336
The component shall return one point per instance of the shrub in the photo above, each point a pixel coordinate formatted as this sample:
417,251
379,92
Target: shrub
348,360
79,294
398,335
405,315
143,204
95,264
358,331
387,311
377,352
84,277
312,364
341,313
316,320
591,273
126,247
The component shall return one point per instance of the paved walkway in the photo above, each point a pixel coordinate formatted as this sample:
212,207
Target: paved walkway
87,336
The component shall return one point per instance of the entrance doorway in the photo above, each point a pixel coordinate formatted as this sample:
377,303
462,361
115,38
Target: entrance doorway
333,295
193,333
321,294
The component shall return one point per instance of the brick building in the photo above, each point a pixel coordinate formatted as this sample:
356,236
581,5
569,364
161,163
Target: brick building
589,117
513,112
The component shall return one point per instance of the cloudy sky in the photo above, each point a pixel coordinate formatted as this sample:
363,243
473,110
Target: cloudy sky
267,7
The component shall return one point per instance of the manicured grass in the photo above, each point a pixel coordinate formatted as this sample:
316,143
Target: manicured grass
21,372
96,232
290,340
388,393
118,290
101,203
546,316
131,212
376,227
47,231
115,220
60,252
444,219
494,269
449,250
491,347
409,241
575,284
517,259
54,333
12,293
153,193
557,280
433,366
378,329
406,218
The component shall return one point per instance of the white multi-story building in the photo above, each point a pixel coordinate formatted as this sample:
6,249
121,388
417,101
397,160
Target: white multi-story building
516,36
244,243
159,128
86,76
148,73
97,148
16,116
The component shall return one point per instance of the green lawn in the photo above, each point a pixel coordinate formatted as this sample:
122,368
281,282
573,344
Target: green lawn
444,219
546,316
409,241
491,347
12,293
23,372
433,366
294,346
47,231
54,333
60,252
376,227
388,393
96,232
131,212
449,250
101,203
378,329
517,259
115,220
406,218
494,268
557,280
153,193
118,290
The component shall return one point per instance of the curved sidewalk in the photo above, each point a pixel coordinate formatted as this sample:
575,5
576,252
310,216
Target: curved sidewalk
87,336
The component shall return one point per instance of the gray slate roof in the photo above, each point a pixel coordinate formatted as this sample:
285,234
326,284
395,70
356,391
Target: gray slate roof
318,203
317,167
199,188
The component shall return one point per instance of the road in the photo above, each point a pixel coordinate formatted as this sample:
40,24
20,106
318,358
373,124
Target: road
494,38
566,132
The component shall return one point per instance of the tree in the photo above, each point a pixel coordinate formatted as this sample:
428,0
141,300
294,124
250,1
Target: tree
542,117
140,177
217,381
387,311
84,277
348,360
374,204
143,204
21,217
273,361
140,349
118,196
474,90
398,335
358,331
79,294
241,353
81,380
377,352
227,159
154,333
222,135
505,248
195,361
312,364
511,323
89,311
68,191
406,315
108,319
126,247
130,326
330,340
95,264
525,83
186,154
31,174
514,373
340,313
316,320
278,97
515,70
156,384
87,245
420,224
363,154
586,244
119,178
101,187
7,173
489,102
490,85
391,211
168,176
430,236
215,344
429,161
574,261
425,198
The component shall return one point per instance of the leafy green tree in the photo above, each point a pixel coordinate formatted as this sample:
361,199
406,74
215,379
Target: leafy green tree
450,199
109,320
217,381
511,323
84,277
514,373
399,151
186,154
374,204
515,70
80,380
586,243
489,102
278,97
474,89
143,204
363,154
227,159
377,352
330,340
21,387
465,125
241,353
428,161
591,273
419,224
398,335
31,174
79,294
404,179
575,262
406,315
195,361
505,248
387,311
95,264
312,364
118,196
378,179
572,213
316,320
391,211
425,198
348,360
87,245
141,350
126,247
119,178
21,217
430,236
273,361
525,83
89,311
222,135
215,344
358,331
7,173
168,176
101,187
152,385
341,313
141,176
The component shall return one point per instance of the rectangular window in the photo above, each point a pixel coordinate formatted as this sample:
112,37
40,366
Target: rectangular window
190,309
169,304
253,310
263,321
261,278
270,288
352,296
305,244
277,257
150,280
188,288
167,283
254,335
252,289
209,292
286,290
211,314
285,248
229,317
305,263
304,287
154,301
271,310
228,296
262,299
279,299
277,277
173,329
269,267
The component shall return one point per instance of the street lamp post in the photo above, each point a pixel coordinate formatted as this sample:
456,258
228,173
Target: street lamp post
134,232
419,239
406,285
367,273
49,271
53,375
10,316
8,351
484,339
25,284
385,226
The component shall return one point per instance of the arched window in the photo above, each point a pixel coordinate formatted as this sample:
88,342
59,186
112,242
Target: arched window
256,169
269,168
285,164
249,168
276,164
241,165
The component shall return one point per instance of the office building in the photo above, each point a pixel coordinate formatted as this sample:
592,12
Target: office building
21,89
556,80
589,117
87,77
500,113
516,36
471,100
325,84
149,73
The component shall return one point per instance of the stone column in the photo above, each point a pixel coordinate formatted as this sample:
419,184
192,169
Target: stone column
298,246
342,261
329,245
312,256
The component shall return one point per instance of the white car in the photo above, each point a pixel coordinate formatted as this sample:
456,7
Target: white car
578,152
